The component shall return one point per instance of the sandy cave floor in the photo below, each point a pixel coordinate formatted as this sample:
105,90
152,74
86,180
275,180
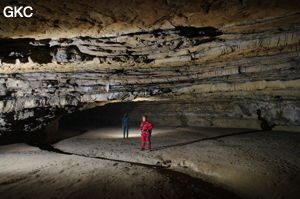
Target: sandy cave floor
190,163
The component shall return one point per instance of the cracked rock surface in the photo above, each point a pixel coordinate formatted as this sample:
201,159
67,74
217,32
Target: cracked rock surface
229,59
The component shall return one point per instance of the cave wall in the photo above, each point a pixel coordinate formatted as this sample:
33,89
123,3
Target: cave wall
181,113
202,63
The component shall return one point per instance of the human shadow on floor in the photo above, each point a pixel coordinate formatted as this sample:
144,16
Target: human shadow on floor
205,139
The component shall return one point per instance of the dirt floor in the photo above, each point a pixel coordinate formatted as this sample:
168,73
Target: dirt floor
184,163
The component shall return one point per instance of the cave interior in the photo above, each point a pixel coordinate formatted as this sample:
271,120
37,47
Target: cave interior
219,81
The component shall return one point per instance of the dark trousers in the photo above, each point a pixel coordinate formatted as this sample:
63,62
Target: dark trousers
125,131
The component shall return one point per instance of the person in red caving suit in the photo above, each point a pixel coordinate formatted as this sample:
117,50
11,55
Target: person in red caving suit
146,128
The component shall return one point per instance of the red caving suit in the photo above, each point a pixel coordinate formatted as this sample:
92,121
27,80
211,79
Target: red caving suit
146,128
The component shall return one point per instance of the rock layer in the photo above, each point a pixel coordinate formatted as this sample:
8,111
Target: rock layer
210,75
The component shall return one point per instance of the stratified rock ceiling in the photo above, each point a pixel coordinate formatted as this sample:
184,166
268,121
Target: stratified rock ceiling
221,60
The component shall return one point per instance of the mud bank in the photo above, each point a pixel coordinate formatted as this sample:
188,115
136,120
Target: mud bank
184,163
251,163
28,172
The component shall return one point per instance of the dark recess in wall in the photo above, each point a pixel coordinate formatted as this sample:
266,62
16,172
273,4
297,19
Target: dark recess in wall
12,49
108,115
192,32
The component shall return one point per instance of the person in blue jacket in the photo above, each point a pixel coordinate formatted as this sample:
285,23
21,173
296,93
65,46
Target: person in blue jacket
125,125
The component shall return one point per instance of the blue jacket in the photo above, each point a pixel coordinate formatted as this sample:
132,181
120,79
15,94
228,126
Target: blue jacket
125,121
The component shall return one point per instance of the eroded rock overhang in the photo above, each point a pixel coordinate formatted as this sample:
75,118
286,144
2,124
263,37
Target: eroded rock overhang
229,71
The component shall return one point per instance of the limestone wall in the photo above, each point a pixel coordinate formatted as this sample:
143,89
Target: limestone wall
201,63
